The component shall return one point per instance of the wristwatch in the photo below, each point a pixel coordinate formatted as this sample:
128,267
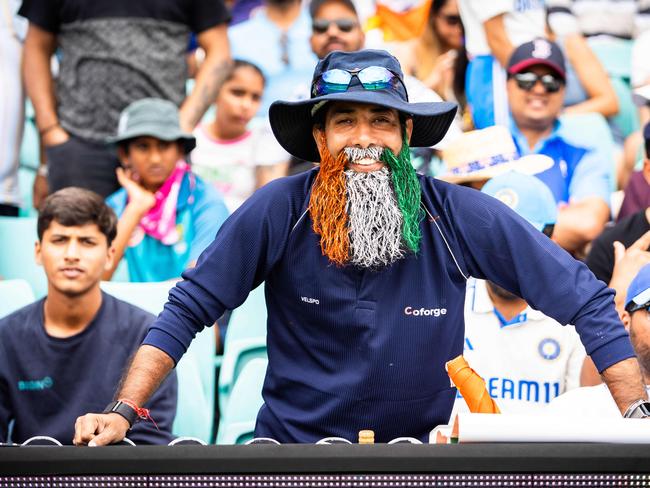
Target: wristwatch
123,409
638,410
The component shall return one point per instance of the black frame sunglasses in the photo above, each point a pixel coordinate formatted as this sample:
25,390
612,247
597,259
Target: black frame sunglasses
321,26
527,80
452,20
634,307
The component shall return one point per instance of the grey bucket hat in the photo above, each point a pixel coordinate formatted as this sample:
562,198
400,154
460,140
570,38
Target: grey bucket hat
291,121
152,117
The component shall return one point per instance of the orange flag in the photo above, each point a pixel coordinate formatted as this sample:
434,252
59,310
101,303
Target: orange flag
471,386
400,20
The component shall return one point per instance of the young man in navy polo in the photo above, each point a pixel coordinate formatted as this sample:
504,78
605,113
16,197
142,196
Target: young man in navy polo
345,251
64,354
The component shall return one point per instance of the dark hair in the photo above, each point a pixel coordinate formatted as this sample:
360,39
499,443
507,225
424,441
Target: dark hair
462,60
74,206
315,5
240,63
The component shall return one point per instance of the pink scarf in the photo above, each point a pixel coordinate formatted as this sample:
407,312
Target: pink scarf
160,221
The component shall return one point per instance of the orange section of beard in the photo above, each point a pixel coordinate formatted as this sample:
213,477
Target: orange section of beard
327,206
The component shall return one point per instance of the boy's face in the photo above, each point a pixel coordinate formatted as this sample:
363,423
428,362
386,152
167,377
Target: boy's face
151,160
74,257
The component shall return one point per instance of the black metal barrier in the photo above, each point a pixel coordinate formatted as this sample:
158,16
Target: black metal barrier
292,465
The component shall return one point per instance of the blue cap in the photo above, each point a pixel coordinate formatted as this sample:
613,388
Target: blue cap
638,293
526,195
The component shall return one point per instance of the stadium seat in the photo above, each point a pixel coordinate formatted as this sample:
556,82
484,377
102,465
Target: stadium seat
616,57
26,177
245,340
196,371
627,120
17,238
148,296
29,161
590,130
14,294
614,54
245,402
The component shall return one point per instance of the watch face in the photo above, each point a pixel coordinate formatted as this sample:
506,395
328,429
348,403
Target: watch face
642,410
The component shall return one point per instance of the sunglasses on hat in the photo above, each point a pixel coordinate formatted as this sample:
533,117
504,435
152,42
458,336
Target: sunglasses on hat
320,26
526,81
371,78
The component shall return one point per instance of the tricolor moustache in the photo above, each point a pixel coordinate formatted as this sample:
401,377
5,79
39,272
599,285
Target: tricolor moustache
355,154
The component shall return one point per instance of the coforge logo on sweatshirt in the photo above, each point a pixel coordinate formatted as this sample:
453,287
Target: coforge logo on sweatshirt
425,312
32,385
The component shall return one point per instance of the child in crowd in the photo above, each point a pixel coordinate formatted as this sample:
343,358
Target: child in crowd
235,159
167,214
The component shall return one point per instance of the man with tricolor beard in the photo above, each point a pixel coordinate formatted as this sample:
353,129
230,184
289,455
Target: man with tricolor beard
348,252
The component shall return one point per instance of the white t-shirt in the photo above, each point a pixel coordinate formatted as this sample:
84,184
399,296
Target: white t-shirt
588,401
230,165
524,21
526,364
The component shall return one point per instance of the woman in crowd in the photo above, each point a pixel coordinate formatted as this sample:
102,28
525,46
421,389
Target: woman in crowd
231,156
438,57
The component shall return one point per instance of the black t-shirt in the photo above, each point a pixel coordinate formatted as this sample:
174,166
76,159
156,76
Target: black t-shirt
601,257
114,52
46,382
198,15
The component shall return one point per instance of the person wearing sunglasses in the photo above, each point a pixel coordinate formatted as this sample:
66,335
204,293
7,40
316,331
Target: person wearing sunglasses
493,29
437,57
275,38
597,400
365,266
580,177
336,26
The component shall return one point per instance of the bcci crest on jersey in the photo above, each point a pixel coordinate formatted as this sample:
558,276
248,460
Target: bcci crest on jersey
549,349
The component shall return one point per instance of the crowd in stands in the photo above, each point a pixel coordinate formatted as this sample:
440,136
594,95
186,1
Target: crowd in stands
132,130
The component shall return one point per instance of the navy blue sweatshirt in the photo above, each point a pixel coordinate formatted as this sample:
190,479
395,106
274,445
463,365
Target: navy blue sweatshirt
347,351
47,382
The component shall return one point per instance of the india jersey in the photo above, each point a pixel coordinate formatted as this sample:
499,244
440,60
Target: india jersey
525,363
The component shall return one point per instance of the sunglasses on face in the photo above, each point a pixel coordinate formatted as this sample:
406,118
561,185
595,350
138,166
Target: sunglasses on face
633,307
321,26
451,20
371,78
526,81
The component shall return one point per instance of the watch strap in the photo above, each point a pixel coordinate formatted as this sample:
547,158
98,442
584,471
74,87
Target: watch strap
638,410
123,409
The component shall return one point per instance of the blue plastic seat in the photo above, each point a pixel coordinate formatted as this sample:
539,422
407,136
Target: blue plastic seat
196,372
590,131
17,261
245,340
239,418
14,294
29,161
616,57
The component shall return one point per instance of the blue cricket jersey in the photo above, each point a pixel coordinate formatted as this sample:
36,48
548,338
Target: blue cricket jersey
353,349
